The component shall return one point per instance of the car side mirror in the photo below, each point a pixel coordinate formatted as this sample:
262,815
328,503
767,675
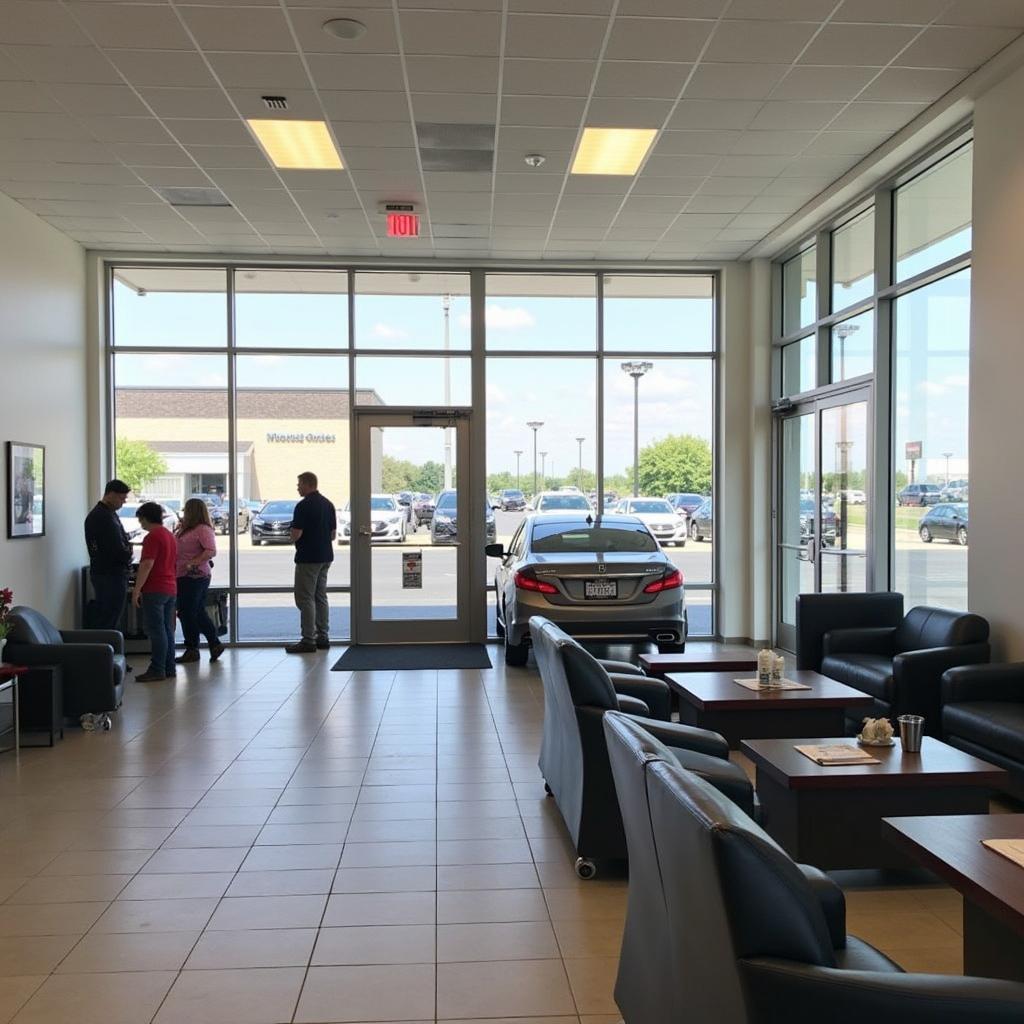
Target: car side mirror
494,550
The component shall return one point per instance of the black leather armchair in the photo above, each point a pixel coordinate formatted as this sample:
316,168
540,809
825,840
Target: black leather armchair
753,942
92,660
899,664
574,754
983,714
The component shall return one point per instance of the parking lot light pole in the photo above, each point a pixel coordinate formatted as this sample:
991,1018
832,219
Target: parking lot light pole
517,453
636,369
579,477
543,456
947,456
535,425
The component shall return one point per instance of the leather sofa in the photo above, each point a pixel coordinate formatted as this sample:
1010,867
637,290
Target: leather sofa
740,934
91,660
864,641
983,714
574,755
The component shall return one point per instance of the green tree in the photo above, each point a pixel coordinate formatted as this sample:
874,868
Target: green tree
137,463
396,474
428,478
678,462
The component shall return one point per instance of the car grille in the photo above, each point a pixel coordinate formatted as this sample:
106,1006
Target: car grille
380,527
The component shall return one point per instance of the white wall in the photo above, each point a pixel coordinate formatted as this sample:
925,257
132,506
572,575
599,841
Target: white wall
996,562
43,399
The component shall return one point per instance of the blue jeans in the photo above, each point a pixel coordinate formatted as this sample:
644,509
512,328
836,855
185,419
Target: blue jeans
192,611
158,617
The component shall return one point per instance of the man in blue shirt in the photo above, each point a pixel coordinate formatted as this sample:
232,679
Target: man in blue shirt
314,527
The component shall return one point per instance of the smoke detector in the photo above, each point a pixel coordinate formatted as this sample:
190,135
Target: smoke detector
344,28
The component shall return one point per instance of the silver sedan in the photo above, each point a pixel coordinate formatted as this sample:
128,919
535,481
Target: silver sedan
599,578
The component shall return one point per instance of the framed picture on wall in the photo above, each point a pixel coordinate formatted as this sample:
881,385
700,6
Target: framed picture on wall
26,489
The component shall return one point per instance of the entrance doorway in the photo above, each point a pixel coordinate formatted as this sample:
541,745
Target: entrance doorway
413,524
823,502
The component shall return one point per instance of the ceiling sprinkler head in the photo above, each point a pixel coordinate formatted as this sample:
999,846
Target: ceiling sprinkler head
534,159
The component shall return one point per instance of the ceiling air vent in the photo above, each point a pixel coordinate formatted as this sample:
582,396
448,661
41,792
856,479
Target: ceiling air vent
456,147
194,196
275,102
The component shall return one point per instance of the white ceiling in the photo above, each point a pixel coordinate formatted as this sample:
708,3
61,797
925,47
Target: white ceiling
760,105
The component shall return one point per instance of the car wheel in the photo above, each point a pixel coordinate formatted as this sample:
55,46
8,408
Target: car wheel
961,536
516,654
925,534
499,625
256,542
694,532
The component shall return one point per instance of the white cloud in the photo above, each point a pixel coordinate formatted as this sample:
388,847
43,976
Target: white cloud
932,387
382,330
503,318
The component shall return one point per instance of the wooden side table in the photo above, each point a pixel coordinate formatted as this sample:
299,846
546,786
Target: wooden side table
9,681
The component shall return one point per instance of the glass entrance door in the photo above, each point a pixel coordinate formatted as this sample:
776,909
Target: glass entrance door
823,504
410,524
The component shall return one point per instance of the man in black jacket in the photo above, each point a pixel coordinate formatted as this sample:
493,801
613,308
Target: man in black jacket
110,557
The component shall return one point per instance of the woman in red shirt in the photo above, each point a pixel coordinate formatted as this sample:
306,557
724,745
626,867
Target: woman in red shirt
156,590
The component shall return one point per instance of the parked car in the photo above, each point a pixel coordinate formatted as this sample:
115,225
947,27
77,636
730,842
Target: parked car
512,500
853,497
947,521
218,506
610,501
659,516
599,578
387,520
405,500
129,513
561,501
955,490
828,521
684,503
272,524
422,510
444,527
919,494
701,521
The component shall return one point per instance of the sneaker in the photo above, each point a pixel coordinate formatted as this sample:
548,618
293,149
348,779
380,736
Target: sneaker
323,644
302,647
150,677
216,650
191,654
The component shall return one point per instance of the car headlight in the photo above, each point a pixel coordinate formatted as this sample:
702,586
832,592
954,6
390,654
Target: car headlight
442,518
394,519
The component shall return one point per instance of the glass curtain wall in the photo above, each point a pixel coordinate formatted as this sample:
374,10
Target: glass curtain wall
275,361
917,302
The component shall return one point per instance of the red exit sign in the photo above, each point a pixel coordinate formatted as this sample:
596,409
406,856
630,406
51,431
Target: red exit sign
403,225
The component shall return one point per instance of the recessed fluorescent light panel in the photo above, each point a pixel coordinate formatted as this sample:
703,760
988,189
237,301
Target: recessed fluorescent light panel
297,145
612,150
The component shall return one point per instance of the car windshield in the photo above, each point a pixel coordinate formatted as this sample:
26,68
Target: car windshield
446,501
650,506
382,505
511,494
573,502
930,488
556,538
277,508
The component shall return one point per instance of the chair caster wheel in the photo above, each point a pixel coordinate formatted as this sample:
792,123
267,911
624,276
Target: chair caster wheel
585,868
547,790
107,724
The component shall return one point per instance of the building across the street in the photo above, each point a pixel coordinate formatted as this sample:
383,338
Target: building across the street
280,433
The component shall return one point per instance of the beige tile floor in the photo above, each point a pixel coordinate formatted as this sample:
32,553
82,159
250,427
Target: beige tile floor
266,841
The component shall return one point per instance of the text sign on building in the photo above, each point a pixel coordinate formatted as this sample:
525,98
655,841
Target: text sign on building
403,225
278,438
913,450
412,570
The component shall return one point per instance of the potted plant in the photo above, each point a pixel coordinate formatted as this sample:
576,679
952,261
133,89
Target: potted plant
6,600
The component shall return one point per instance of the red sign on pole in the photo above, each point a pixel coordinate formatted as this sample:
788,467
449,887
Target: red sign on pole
403,225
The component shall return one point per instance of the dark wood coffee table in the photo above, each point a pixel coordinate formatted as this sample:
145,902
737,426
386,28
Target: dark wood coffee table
720,659
832,817
992,886
714,700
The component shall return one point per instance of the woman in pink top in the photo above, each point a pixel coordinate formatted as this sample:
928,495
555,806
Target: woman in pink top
196,547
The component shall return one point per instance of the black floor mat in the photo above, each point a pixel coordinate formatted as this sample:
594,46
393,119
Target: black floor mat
389,657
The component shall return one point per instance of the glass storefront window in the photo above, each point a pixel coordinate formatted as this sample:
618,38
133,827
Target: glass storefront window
799,366
169,307
291,309
933,215
800,291
541,312
853,347
659,313
853,261
412,310
413,381
930,484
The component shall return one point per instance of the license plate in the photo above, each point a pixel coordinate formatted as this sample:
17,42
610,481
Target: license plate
598,589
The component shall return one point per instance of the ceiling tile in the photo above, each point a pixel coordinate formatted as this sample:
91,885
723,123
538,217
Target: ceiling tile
771,143
846,142
62,64
39,22
734,81
66,151
782,10
714,114
522,77
904,12
960,47
612,112
133,25
115,100
750,167
772,204
456,32
758,42
162,67
127,129
697,142
170,102
806,187
823,83
365,106
258,29
641,78
527,183
253,177
171,177
380,36
389,134
452,74
717,204
857,45
356,71
510,158
685,164
657,39
795,114
913,84
211,132
550,111
27,97
378,158
734,186
659,178
990,12
867,116
819,167
151,155
273,72
554,37
448,108
249,155
302,103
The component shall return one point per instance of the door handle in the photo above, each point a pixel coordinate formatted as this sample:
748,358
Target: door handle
366,533
812,551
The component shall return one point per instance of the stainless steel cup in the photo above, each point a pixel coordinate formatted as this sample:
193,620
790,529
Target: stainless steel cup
911,730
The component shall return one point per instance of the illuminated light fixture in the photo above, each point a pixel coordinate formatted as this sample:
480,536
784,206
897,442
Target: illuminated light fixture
297,145
612,150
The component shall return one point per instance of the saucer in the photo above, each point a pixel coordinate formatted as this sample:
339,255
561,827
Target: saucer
891,742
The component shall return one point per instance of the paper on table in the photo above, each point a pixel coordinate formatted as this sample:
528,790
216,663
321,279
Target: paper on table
1013,849
838,754
779,684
